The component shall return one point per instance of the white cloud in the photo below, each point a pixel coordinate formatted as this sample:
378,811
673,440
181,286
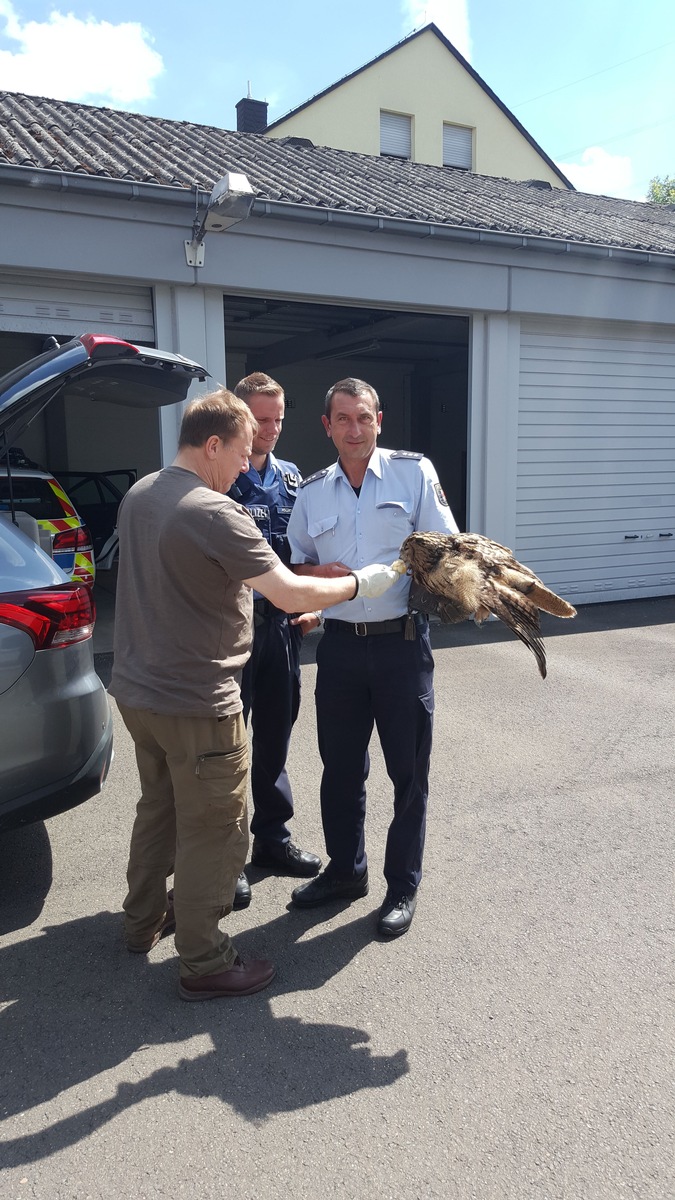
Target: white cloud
72,59
451,16
603,174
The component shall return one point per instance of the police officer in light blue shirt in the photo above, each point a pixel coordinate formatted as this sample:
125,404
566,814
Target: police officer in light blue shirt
270,686
374,661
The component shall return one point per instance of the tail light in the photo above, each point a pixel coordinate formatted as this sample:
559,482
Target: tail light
77,540
54,617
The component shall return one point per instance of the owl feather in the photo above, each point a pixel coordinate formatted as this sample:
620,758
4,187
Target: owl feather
461,575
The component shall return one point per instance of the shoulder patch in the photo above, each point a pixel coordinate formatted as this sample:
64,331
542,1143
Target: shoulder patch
315,476
440,495
414,454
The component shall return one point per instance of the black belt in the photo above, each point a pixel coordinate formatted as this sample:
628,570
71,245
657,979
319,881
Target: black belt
263,608
365,628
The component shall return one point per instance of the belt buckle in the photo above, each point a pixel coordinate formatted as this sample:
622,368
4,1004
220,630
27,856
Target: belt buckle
361,629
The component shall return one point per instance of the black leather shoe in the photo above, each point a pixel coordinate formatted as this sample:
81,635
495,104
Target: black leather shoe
327,887
396,915
242,893
285,859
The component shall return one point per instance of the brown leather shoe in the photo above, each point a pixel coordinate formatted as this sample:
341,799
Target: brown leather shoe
168,926
242,979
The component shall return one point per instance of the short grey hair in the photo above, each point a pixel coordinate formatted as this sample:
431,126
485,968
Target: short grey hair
352,387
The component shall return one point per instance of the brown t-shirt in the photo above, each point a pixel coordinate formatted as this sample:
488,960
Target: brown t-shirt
183,618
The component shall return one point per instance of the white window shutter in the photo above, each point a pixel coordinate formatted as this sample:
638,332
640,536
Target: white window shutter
395,135
457,147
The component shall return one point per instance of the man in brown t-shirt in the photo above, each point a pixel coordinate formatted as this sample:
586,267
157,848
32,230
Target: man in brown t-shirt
189,557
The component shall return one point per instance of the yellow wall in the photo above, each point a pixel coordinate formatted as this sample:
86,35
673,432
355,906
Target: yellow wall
424,80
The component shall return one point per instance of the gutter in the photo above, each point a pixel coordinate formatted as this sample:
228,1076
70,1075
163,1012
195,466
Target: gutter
339,218
42,179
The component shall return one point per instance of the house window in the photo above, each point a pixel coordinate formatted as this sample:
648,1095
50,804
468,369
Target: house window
457,147
395,135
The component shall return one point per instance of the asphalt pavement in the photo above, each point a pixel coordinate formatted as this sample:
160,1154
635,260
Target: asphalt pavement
517,1044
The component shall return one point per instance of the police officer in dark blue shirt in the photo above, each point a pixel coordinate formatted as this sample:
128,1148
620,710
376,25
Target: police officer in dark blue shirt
270,686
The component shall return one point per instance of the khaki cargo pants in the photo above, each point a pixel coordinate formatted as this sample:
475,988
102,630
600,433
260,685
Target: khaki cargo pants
191,819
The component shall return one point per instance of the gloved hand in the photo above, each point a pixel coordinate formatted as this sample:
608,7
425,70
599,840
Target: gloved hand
374,581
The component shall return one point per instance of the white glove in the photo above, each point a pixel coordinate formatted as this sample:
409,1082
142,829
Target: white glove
374,581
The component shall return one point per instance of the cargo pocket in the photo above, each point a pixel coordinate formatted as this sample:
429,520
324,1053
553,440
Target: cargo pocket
221,778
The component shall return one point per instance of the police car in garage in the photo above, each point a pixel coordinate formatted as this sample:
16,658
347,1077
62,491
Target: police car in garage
64,534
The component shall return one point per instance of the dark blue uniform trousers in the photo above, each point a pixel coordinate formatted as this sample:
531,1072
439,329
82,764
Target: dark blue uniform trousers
387,681
270,692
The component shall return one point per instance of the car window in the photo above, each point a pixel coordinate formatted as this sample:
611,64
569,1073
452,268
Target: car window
111,485
33,496
85,492
122,480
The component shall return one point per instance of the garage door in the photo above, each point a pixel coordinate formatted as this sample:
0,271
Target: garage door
596,458
50,305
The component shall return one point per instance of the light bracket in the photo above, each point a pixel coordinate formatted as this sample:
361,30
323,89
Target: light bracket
230,201
194,253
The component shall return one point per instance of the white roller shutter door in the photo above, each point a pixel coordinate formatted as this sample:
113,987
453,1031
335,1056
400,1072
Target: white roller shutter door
68,305
595,505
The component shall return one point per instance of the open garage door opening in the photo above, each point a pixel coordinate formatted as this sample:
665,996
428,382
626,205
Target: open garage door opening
417,363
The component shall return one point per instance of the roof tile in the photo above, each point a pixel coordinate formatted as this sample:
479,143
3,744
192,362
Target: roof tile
62,136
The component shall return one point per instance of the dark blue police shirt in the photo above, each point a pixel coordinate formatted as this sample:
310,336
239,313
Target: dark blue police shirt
270,500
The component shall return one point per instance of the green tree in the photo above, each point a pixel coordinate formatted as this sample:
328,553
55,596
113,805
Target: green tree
662,191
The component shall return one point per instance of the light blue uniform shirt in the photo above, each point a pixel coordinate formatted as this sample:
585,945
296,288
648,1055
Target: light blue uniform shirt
400,494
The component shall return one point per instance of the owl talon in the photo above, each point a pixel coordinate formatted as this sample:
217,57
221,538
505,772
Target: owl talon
399,566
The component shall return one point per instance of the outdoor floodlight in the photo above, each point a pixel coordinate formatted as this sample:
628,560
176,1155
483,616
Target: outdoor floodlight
230,201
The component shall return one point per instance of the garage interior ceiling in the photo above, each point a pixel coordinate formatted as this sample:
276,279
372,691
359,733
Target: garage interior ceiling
278,333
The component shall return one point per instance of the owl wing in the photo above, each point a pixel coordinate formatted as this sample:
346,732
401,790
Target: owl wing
475,576
521,579
501,564
522,617
444,606
482,547
474,585
455,583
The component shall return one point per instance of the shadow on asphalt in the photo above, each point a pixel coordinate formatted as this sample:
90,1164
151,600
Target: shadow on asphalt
78,1004
25,875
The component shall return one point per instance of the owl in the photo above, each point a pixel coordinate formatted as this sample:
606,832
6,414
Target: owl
459,575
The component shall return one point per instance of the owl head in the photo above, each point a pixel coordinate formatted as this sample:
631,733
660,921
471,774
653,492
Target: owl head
421,552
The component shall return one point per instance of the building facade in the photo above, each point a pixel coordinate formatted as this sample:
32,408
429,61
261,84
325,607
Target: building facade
530,354
422,101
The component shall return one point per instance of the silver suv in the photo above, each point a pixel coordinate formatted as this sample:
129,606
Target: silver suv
55,721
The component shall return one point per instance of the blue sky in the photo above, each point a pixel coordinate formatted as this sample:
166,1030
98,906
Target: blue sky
592,80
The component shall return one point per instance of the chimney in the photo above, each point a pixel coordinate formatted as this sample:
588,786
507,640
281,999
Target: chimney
251,115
